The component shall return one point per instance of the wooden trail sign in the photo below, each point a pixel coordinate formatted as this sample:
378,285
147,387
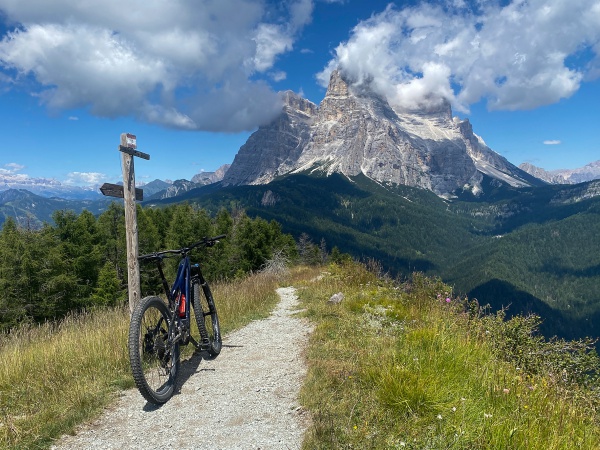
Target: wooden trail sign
130,194
133,151
116,190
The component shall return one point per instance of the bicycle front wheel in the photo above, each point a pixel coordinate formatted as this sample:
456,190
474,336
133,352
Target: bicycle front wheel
207,318
153,356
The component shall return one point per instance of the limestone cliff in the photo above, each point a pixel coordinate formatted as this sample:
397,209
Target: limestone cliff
355,131
274,149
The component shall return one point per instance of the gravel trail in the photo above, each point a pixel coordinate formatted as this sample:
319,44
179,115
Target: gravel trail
246,398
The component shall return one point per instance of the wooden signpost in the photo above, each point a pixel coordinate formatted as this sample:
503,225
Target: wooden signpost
130,194
117,190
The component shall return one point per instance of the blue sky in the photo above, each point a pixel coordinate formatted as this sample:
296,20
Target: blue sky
193,79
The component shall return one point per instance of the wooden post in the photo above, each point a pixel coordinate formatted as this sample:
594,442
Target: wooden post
130,194
131,231
128,151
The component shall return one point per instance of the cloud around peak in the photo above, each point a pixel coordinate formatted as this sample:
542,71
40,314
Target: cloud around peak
514,56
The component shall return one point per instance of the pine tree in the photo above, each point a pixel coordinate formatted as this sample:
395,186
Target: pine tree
12,305
108,290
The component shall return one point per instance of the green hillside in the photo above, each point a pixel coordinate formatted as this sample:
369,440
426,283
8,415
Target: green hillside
532,249
32,211
551,268
405,228
409,366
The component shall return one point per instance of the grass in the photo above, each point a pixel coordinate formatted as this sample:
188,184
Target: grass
56,376
404,365
394,365
52,377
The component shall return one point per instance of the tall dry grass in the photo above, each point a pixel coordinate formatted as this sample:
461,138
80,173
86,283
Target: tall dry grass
52,377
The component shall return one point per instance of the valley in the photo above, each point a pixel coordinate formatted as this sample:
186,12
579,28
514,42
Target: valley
529,250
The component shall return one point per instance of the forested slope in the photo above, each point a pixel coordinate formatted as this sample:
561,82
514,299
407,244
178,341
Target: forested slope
532,249
80,261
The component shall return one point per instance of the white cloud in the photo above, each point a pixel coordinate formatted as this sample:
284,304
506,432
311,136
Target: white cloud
8,177
89,178
552,142
514,56
166,61
274,39
271,41
11,168
278,75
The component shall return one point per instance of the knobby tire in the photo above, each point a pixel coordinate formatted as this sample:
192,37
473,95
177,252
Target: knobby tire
154,362
207,318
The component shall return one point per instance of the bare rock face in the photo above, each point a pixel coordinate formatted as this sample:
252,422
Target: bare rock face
489,162
356,131
178,187
204,178
273,149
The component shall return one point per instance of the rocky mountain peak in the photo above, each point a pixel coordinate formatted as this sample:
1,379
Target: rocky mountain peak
438,109
204,178
338,87
465,126
273,149
293,103
356,131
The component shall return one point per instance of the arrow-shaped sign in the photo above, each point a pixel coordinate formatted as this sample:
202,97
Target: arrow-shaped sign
116,190
132,151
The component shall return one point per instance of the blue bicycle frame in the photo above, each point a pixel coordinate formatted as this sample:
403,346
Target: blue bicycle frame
181,285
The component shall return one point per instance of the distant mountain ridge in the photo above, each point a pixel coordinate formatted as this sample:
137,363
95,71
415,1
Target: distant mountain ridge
154,187
48,187
30,210
355,131
174,189
34,205
589,172
161,190
204,178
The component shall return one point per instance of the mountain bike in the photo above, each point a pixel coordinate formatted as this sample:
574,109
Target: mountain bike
159,328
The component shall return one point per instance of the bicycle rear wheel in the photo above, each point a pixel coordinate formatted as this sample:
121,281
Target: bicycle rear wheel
207,318
153,357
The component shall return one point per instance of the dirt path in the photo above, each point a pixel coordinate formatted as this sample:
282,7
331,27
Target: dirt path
244,399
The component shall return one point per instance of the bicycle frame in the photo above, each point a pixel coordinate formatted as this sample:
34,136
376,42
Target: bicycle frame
180,286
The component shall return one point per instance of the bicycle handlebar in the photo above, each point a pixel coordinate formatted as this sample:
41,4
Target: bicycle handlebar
207,242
